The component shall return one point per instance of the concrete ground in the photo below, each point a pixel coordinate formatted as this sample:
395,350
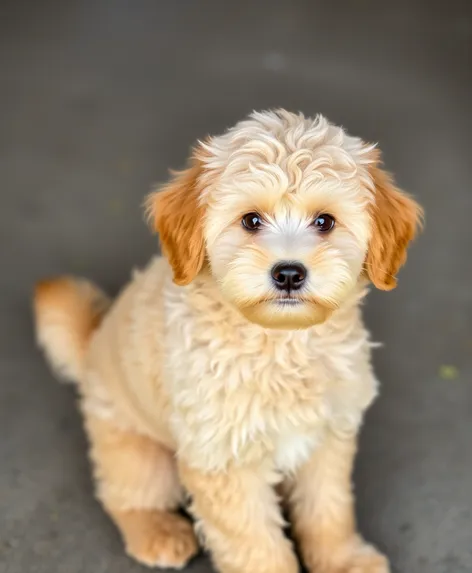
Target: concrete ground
99,98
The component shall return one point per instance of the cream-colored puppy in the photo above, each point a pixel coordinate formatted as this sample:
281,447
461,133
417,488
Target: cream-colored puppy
238,368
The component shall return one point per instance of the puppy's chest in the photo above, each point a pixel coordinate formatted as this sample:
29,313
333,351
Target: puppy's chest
250,398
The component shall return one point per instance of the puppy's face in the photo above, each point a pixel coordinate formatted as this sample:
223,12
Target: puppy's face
287,241
288,213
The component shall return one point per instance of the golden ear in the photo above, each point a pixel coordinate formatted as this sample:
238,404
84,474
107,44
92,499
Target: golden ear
395,222
177,215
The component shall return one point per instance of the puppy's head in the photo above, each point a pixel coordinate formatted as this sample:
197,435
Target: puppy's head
288,214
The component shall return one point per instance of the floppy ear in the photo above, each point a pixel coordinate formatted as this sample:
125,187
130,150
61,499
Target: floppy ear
395,222
177,215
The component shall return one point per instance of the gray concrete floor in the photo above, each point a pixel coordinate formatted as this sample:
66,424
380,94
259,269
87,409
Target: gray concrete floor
99,98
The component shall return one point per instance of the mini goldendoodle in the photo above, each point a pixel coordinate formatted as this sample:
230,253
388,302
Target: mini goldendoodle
237,368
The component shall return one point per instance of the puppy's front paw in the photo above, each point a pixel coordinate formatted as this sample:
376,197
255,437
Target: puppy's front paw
357,557
167,541
366,559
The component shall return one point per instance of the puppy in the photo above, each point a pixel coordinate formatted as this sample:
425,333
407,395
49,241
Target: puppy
237,367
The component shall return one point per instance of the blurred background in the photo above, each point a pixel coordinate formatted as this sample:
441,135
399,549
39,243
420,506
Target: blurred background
99,98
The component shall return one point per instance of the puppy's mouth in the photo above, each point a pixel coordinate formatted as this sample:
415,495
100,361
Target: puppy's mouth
285,311
287,301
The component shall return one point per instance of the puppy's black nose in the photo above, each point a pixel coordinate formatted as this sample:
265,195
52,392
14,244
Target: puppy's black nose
288,276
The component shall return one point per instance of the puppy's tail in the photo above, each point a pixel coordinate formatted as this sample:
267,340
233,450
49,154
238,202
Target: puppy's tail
67,311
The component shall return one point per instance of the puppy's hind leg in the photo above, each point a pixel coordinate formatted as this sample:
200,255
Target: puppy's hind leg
137,483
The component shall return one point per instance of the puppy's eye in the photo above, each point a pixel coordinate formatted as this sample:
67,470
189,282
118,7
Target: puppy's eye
324,223
252,221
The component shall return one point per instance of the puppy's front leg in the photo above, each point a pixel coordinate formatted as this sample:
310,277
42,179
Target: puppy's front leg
321,505
240,519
